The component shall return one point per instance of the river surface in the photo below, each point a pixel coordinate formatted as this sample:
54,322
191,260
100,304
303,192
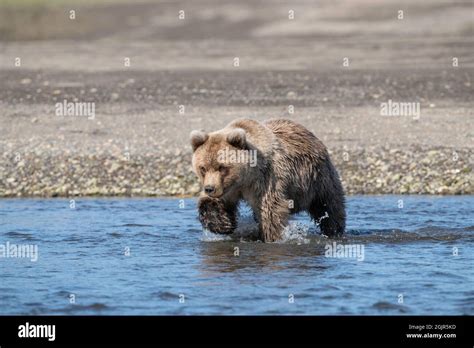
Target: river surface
148,256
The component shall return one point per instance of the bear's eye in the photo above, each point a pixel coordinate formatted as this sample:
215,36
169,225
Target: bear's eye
202,170
223,169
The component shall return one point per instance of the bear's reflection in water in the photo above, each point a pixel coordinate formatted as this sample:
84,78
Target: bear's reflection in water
231,256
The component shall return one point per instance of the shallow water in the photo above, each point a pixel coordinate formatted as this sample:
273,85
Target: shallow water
417,259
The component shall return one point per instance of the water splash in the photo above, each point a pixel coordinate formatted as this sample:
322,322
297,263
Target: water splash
247,230
296,233
208,236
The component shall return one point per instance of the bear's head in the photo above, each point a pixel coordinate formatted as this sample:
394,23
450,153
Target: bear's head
219,160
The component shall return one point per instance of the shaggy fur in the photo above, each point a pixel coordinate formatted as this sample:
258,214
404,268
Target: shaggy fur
293,173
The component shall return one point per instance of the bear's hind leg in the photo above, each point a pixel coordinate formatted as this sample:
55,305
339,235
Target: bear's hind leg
330,216
328,203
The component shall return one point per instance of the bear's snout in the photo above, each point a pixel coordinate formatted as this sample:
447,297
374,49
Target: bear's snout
209,189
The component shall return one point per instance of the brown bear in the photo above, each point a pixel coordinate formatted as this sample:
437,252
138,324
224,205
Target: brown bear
278,167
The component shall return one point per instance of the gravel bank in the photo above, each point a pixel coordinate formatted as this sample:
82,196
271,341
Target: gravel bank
364,171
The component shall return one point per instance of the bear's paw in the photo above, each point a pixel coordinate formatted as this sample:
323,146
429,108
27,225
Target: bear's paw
214,217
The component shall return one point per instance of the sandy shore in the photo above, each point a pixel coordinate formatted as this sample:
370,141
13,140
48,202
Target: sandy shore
137,142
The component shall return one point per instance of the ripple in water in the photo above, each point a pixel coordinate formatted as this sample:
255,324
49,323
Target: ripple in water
423,251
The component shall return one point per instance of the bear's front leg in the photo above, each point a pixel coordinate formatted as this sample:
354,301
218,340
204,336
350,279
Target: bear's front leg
274,214
215,216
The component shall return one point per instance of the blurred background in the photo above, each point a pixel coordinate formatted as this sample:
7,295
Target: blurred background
155,70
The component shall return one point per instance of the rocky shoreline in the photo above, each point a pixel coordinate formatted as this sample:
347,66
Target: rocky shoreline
363,171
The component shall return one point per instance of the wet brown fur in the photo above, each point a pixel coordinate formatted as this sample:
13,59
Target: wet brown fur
293,173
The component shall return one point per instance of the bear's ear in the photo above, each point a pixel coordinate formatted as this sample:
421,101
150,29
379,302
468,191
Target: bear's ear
198,138
237,138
